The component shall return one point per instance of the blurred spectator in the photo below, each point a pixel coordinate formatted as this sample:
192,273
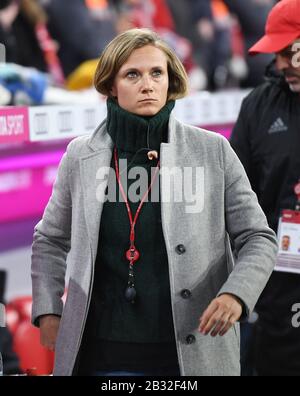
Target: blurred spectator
220,47
18,35
194,20
24,33
81,27
207,24
252,15
151,14
222,51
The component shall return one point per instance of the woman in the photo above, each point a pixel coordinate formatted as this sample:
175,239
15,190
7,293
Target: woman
146,265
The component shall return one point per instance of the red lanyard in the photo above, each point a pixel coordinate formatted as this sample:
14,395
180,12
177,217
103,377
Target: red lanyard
132,254
297,190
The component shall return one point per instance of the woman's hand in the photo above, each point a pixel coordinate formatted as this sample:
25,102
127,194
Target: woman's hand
49,325
220,315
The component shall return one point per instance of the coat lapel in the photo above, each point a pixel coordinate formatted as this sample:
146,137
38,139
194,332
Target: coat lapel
94,168
173,156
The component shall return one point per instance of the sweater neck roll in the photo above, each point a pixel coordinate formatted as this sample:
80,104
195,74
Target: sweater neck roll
131,132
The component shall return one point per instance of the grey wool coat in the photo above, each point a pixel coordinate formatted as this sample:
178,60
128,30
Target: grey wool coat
227,215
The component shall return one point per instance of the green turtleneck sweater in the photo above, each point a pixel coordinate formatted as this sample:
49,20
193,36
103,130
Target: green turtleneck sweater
137,336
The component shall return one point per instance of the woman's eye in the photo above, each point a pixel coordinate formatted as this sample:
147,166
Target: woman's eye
132,74
157,73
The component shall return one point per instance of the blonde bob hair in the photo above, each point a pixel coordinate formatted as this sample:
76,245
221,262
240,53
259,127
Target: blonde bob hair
119,50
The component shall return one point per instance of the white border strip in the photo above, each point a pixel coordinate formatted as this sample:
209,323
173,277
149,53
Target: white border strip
64,122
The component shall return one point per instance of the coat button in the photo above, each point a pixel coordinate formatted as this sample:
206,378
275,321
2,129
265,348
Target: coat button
190,339
180,249
186,294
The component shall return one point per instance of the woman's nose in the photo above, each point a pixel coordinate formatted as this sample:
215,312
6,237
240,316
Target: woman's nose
147,84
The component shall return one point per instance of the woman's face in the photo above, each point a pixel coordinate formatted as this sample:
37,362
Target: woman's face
141,85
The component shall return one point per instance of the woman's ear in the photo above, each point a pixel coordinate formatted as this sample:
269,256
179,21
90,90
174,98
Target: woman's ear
113,92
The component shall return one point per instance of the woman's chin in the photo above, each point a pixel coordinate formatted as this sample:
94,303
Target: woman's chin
147,111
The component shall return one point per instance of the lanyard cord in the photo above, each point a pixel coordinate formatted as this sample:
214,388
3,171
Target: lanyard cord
133,221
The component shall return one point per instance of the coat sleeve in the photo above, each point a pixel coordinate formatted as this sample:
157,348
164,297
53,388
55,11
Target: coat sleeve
51,244
254,242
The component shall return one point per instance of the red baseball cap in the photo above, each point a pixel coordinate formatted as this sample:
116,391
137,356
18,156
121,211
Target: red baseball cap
282,28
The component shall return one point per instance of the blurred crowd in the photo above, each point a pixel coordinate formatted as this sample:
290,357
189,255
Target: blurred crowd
63,38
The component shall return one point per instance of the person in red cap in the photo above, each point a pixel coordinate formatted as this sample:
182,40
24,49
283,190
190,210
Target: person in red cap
282,28
283,38
267,140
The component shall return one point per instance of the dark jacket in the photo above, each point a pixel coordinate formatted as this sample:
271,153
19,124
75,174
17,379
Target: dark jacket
267,140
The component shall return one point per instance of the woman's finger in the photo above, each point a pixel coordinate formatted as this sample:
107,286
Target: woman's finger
213,321
206,317
220,325
228,326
